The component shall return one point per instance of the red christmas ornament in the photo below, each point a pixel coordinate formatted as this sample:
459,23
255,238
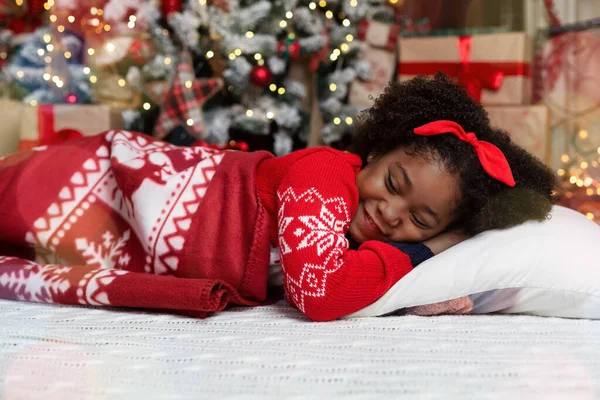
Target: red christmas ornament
261,76
294,50
170,6
35,7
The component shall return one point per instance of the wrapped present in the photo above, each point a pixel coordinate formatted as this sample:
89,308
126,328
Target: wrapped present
494,68
379,49
528,126
11,114
51,124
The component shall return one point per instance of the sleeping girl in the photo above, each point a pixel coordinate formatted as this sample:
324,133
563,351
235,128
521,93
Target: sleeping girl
121,219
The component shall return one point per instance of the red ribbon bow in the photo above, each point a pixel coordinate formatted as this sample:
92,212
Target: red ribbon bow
476,79
491,157
474,76
49,136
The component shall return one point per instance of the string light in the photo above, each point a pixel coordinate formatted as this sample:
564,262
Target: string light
329,14
94,11
257,56
583,134
281,90
107,27
312,5
121,82
273,87
210,54
86,70
322,4
565,157
332,87
346,22
93,79
579,183
55,79
583,165
589,215
71,18
168,60
48,59
20,74
60,28
337,121
249,113
573,179
282,24
237,52
333,57
47,38
146,106
46,76
270,115
53,18
345,47
261,62
67,54
188,84
588,181
41,52
131,24
47,6
59,84
289,15
110,47
33,103
349,120
589,192
336,52
231,56
598,191
353,3
189,122
560,172
249,34
91,51
19,2
349,38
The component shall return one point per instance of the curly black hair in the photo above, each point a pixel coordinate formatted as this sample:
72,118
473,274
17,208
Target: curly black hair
485,203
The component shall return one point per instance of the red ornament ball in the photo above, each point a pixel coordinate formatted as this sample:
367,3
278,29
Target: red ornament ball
294,50
261,76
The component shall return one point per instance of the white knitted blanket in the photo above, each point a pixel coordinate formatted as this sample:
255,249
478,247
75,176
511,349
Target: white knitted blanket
52,352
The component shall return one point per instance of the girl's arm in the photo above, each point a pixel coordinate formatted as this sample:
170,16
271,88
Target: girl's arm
322,277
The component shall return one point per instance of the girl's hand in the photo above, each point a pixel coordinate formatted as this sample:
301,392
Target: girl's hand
444,241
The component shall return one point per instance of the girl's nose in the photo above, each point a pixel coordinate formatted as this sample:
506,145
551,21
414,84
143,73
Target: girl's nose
392,211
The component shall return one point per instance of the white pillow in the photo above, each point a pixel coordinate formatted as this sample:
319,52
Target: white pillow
549,268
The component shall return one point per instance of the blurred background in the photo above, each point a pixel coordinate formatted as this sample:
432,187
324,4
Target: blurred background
285,74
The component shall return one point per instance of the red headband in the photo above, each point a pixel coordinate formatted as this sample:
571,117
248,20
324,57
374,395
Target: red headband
491,157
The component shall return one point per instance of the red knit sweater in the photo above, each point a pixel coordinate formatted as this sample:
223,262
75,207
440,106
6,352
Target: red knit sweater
311,197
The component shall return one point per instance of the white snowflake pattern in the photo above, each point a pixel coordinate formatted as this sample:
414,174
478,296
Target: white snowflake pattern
325,231
322,231
108,254
31,282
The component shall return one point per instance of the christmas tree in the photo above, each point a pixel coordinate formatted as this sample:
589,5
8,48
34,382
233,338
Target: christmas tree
274,74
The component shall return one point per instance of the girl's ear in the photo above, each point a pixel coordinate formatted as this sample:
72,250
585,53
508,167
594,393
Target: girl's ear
372,156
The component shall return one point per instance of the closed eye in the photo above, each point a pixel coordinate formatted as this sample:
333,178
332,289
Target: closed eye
390,184
418,222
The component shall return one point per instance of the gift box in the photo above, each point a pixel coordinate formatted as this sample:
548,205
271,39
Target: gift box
379,43
494,68
11,116
528,126
52,124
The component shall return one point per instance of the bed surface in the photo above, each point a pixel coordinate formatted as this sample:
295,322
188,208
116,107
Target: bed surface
54,352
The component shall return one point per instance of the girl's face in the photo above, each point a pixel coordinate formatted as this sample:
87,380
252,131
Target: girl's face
403,199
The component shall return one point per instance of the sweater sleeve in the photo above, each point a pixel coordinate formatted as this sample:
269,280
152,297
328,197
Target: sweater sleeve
323,278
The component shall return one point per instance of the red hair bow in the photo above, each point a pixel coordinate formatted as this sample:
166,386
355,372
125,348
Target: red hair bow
491,157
